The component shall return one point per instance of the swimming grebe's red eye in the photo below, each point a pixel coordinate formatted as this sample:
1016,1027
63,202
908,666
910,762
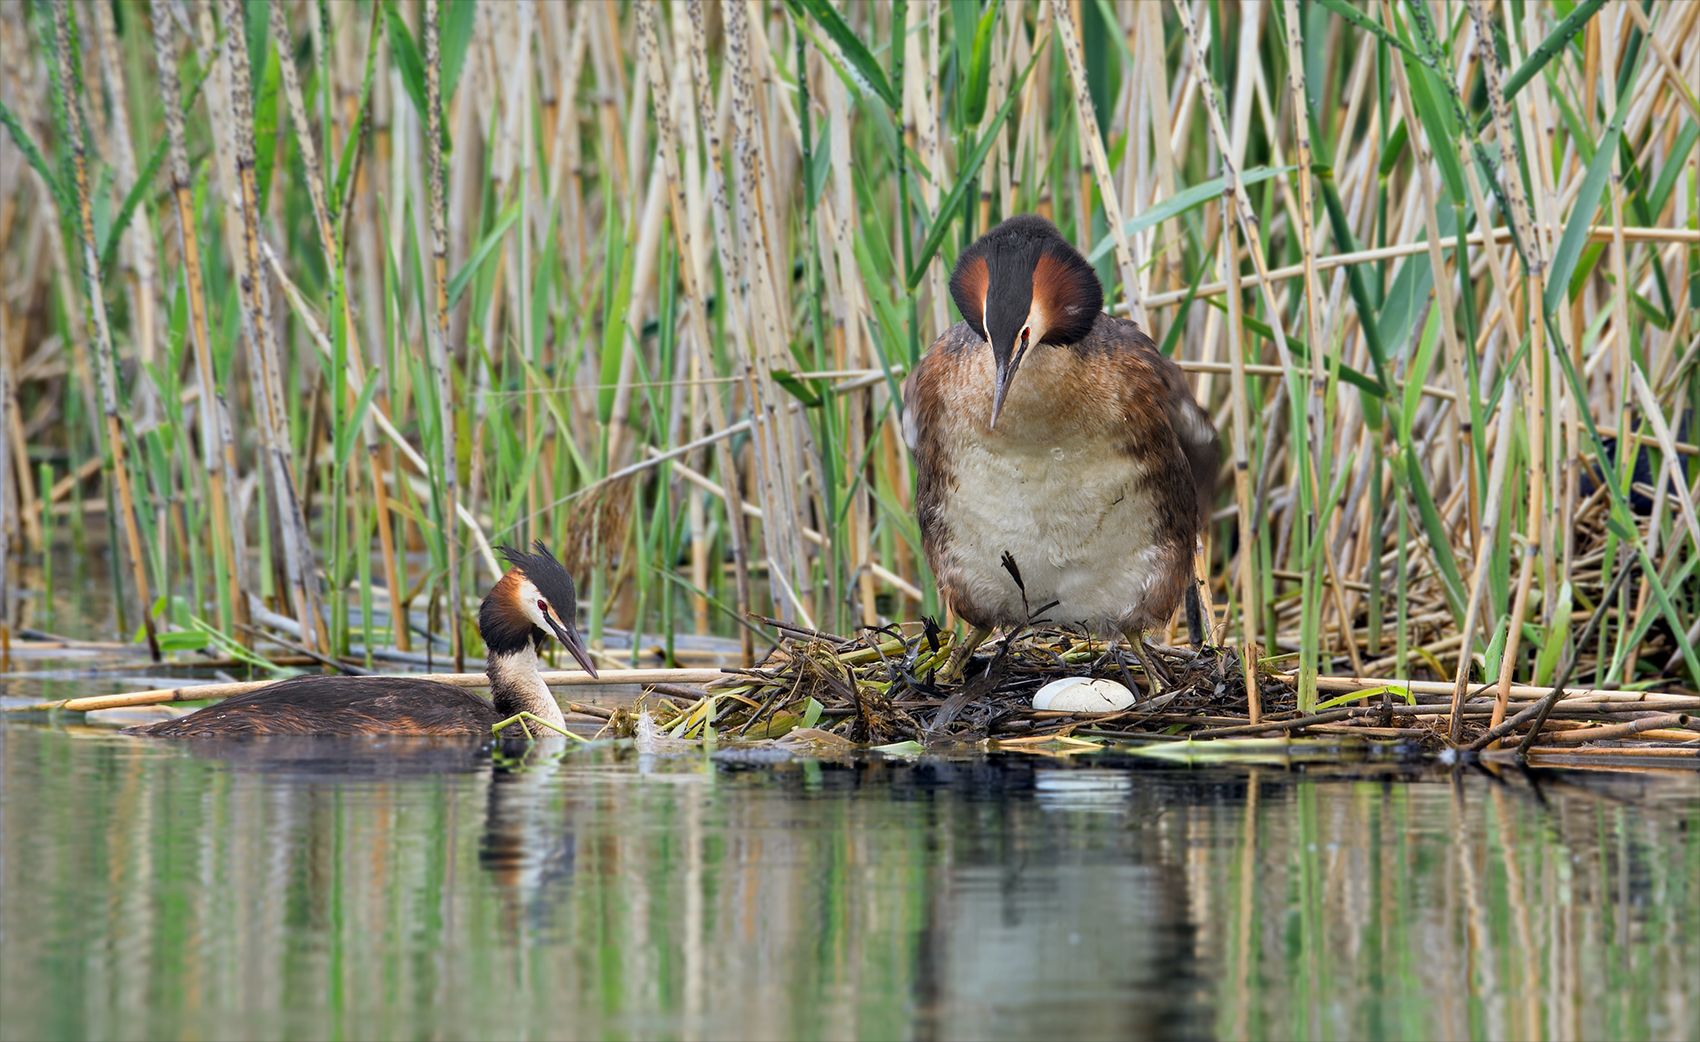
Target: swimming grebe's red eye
543,606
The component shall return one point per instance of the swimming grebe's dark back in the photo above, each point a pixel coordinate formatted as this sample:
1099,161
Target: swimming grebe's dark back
535,598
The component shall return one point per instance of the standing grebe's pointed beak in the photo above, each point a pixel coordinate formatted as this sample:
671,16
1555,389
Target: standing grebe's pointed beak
1004,375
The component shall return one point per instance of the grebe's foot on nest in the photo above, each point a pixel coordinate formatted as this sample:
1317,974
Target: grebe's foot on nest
1154,670
961,654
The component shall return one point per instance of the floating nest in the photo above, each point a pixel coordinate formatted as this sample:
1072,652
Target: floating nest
882,689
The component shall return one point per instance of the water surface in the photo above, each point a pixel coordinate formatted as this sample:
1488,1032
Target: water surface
388,888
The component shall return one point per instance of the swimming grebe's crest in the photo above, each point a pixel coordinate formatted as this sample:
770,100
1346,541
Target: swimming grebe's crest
535,598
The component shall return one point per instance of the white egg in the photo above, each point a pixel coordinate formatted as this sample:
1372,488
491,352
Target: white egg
1083,695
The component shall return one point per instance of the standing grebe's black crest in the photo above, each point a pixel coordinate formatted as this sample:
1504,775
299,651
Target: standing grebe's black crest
1022,284
510,616
1024,259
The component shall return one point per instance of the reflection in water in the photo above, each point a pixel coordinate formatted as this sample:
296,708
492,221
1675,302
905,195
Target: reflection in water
527,847
447,889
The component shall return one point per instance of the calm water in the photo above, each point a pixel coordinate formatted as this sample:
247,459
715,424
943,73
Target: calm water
376,889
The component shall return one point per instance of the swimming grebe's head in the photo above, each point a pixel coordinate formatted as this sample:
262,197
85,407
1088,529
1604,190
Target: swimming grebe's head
534,599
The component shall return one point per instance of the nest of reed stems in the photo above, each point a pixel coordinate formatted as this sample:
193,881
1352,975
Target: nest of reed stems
881,689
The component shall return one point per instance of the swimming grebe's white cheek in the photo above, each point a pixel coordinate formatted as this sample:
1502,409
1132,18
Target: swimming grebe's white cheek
529,598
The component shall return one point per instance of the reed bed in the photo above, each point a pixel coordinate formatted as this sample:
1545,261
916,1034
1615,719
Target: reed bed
304,306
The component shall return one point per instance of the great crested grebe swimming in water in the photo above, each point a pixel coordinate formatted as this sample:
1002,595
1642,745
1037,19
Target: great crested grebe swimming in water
535,598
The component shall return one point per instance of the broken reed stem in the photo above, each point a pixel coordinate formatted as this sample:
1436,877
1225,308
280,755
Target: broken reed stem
106,369
1623,730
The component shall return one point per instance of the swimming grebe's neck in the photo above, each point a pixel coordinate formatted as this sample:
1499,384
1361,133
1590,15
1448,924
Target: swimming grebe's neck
516,686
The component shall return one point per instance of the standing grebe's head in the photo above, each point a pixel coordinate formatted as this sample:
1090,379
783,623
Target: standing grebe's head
535,598
1022,284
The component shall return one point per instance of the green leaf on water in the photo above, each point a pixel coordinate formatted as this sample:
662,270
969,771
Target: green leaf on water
910,748
181,640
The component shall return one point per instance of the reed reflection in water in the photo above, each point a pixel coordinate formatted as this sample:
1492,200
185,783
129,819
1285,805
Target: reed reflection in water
391,888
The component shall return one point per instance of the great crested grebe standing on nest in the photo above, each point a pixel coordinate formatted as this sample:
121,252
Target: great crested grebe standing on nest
1094,471
534,599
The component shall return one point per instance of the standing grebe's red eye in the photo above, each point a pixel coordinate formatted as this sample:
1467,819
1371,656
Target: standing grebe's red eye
543,606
